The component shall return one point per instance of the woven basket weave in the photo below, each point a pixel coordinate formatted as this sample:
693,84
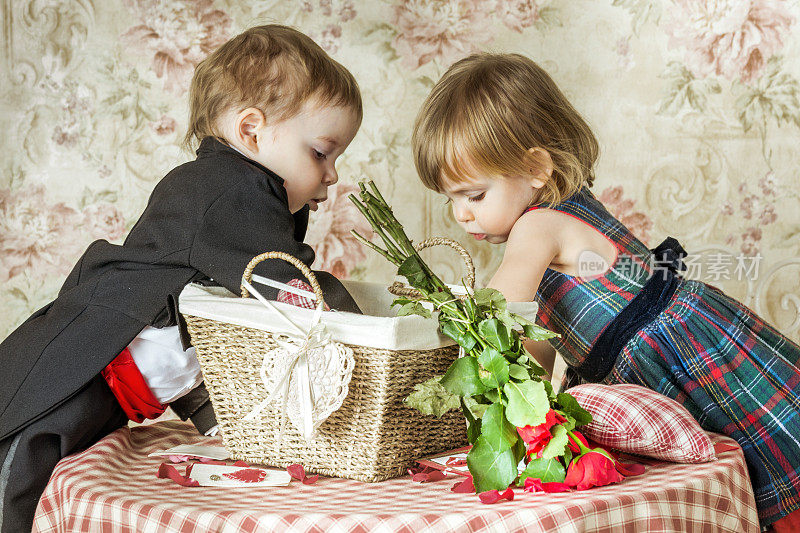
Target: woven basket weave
372,437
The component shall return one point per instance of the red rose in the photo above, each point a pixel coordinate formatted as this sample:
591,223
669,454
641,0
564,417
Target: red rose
592,469
537,437
573,446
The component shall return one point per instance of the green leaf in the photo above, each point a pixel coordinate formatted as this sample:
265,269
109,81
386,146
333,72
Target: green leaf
467,341
413,271
496,430
536,370
496,365
473,424
569,425
470,307
464,339
519,450
449,328
547,470
518,372
571,407
557,444
413,308
527,403
521,320
538,333
462,377
477,409
440,298
496,333
490,298
492,395
490,469
506,318
430,398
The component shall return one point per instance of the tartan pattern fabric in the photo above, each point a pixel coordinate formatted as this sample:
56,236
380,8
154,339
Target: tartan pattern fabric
634,419
295,299
112,487
736,374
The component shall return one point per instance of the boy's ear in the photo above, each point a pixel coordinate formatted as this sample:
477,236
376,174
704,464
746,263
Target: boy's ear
248,123
540,164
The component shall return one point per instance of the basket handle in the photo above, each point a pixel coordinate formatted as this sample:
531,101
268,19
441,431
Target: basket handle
399,289
248,272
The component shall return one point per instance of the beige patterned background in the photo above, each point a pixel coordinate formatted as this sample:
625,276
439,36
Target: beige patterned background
695,104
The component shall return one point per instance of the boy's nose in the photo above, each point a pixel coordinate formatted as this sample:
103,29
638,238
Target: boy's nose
331,177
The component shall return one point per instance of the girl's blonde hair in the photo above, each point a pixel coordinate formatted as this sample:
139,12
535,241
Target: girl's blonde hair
484,115
273,68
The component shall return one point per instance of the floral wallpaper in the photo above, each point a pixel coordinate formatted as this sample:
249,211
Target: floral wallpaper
696,105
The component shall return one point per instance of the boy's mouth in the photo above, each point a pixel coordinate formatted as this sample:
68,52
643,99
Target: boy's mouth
478,236
313,204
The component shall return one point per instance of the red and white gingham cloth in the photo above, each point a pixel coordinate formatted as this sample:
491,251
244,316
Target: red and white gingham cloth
295,299
112,486
638,420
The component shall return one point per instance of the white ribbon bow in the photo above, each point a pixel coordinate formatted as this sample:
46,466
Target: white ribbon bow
290,366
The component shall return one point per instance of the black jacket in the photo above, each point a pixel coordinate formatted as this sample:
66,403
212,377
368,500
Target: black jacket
204,221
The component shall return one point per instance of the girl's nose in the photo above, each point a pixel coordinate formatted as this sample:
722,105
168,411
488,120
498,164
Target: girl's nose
461,213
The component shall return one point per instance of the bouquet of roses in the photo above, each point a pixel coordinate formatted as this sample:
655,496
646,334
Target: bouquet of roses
514,416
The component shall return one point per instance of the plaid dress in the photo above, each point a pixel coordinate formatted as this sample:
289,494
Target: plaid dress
736,374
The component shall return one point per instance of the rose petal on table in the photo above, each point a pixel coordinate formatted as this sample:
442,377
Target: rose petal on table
494,496
310,480
239,463
178,458
464,487
555,486
629,469
206,460
296,471
169,471
247,475
426,477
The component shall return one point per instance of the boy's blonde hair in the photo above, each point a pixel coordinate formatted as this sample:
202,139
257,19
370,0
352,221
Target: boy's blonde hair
484,115
273,68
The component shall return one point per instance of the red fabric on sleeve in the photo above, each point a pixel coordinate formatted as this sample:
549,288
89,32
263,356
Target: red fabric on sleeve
130,388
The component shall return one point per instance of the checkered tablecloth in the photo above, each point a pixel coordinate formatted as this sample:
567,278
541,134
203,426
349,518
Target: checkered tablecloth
112,486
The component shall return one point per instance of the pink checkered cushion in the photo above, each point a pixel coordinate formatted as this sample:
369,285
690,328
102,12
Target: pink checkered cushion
638,420
300,301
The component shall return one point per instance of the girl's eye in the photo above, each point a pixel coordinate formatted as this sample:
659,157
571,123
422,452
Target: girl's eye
318,154
477,197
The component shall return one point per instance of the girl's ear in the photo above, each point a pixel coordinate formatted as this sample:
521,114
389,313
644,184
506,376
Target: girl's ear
540,166
248,123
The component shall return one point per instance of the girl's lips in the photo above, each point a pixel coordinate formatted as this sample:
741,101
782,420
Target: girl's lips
478,236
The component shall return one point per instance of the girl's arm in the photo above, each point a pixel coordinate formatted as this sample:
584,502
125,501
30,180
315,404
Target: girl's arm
531,247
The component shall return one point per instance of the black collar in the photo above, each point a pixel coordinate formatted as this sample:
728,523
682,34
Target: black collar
211,145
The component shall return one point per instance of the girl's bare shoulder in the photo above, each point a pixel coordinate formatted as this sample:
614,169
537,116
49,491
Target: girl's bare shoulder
563,235
539,228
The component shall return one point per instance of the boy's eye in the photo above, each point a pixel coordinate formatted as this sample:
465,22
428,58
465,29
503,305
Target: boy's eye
318,154
477,197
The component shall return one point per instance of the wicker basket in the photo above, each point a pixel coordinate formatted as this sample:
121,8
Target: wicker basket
372,437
